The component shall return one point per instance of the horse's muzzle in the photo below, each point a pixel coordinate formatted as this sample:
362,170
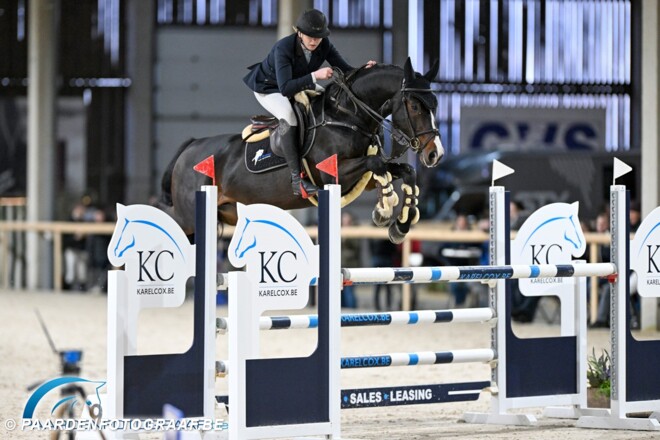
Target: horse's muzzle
432,152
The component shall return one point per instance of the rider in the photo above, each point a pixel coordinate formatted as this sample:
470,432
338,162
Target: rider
294,65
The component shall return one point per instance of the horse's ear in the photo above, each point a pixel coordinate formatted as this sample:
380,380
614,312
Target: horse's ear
408,71
576,207
433,71
120,210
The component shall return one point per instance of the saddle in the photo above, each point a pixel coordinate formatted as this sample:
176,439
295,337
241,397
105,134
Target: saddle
259,157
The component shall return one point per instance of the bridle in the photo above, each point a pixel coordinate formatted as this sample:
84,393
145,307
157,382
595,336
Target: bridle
414,143
397,134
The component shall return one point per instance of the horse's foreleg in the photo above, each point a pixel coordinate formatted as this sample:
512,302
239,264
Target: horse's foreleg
409,214
227,211
387,197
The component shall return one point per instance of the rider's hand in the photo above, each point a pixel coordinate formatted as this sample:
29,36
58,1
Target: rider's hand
323,73
370,63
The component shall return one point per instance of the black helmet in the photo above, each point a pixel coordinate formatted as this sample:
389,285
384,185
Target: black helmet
313,24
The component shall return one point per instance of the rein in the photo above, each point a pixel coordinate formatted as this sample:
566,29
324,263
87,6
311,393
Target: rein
397,134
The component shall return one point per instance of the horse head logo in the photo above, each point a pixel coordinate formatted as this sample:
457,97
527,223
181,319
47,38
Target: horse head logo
551,235
280,258
254,229
135,225
155,252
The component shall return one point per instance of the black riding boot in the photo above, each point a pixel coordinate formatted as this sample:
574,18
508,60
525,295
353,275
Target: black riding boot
287,141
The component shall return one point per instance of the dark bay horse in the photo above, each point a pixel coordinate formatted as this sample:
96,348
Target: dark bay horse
347,120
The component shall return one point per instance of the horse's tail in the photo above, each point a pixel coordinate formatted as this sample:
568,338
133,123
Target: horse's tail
166,182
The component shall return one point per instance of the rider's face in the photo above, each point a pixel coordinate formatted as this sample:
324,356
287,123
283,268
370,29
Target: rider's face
310,43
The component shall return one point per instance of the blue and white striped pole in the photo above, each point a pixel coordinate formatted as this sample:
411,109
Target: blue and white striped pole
403,359
476,315
418,358
432,274
473,273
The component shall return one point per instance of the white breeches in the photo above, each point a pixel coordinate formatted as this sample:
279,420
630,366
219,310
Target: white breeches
277,105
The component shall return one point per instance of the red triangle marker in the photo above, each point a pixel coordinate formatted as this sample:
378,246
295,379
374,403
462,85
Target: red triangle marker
207,167
329,166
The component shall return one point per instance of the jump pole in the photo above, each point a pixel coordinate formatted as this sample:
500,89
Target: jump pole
476,315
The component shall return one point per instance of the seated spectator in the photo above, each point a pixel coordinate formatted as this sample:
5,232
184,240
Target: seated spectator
350,257
97,247
523,307
460,254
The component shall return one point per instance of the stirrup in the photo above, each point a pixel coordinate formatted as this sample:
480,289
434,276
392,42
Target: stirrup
302,187
307,189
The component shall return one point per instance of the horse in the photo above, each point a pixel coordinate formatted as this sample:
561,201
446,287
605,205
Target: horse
345,121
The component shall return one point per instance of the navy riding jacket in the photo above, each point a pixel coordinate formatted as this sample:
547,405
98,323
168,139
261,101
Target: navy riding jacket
285,70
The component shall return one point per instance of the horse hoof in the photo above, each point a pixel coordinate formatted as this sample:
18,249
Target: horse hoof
378,219
396,236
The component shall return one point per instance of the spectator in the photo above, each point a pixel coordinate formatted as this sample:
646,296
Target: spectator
350,257
516,215
635,218
481,289
97,247
460,254
635,215
603,316
416,260
383,254
523,308
76,257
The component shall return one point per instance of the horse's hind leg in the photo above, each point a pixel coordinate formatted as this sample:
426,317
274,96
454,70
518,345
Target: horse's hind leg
387,200
172,212
227,211
387,197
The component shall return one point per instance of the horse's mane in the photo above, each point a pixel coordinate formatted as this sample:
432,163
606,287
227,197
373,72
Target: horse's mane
354,77
355,80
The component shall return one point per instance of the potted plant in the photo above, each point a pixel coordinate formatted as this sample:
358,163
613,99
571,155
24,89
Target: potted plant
599,374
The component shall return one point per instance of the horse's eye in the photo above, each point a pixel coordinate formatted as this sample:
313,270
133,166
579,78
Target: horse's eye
415,107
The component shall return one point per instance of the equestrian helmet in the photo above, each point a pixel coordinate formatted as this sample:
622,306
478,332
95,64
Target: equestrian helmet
313,23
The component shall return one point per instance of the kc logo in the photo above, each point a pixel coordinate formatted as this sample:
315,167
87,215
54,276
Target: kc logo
280,258
155,252
266,271
157,265
551,235
644,255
